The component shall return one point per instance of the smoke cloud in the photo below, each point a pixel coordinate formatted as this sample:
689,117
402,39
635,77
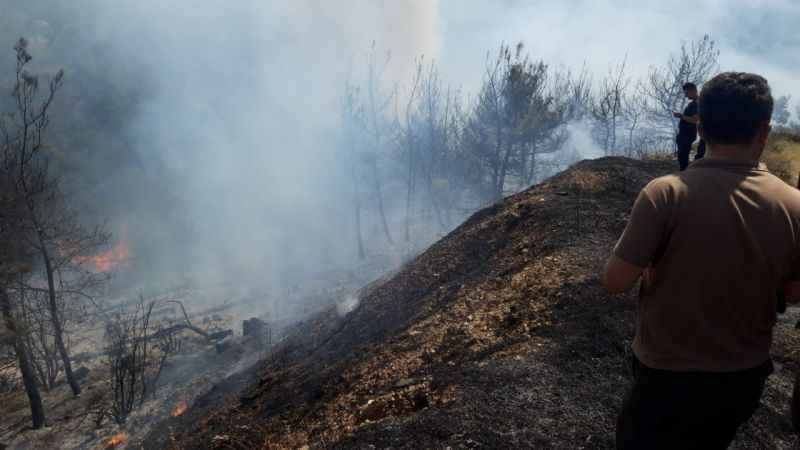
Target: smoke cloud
233,124
227,113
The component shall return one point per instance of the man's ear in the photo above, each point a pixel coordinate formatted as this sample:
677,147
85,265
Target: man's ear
763,134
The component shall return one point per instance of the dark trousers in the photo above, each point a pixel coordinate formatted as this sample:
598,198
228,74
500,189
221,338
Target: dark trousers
685,148
701,150
688,410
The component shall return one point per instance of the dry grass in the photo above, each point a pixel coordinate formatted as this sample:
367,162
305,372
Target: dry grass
782,155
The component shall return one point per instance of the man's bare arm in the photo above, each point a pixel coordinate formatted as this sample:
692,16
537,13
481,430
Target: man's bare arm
620,276
695,119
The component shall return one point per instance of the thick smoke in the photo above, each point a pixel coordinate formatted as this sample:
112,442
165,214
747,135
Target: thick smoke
231,127
244,112
212,126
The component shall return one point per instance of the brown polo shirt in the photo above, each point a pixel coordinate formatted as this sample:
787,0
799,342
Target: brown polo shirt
717,240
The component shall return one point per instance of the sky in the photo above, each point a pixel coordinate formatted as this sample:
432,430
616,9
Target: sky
754,36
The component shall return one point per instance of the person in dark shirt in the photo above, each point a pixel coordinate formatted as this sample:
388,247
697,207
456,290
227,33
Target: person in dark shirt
687,128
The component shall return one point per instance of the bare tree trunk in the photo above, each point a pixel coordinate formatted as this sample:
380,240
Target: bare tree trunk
359,237
529,170
614,133
23,359
501,182
379,199
523,169
409,192
58,331
497,179
434,201
46,378
532,170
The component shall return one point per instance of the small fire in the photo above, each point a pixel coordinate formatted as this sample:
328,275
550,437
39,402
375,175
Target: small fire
180,408
109,259
118,439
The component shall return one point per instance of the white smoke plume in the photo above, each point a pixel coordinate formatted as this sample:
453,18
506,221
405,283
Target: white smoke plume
234,127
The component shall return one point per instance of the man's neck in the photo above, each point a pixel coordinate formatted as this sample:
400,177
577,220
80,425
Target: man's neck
737,153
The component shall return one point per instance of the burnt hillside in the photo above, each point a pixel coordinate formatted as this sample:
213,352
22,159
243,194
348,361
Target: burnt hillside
498,336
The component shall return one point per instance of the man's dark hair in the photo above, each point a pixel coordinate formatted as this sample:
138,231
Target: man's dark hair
689,85
733,105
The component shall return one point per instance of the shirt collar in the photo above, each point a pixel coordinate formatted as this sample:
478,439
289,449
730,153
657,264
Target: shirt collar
728,164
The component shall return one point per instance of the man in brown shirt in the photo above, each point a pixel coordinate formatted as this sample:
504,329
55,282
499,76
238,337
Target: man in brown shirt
713,245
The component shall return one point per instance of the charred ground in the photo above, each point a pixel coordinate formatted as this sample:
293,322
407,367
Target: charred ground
498,336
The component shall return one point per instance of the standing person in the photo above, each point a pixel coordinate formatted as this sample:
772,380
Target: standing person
713,245
687,128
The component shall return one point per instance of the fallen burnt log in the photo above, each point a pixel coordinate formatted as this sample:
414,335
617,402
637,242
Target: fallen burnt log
164,311
169,331
213,337
177,328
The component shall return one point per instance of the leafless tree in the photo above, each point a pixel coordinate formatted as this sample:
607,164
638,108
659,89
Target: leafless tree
8,361
50,228
608,108
635,115
408,142
695,62
136,352
437,120
429,136
377,125
14,262
352,116
16,331
575,90
34,312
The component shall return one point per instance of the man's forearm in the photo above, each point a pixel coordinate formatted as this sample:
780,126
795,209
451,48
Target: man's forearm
691,119
619,275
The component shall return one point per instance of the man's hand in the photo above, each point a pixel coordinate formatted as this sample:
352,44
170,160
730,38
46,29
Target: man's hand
676,114
620,275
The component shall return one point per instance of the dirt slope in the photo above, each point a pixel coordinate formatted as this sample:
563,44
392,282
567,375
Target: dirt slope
498,336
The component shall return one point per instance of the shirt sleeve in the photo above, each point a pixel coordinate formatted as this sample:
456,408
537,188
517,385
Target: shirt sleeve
643,235
691,109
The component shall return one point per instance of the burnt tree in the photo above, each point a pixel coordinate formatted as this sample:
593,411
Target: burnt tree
13,264
50,228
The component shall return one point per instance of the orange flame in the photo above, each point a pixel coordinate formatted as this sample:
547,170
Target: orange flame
111,259
117,439
180,408
108,260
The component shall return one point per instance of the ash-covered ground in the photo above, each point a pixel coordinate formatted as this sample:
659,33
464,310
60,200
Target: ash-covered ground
498,336
200,366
